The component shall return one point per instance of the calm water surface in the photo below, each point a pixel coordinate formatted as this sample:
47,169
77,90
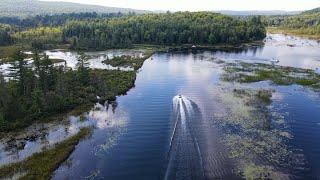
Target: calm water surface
153,133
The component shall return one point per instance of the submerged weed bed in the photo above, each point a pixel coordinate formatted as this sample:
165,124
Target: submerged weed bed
256,135
255,72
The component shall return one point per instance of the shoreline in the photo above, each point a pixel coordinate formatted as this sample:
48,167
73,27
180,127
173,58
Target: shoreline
292,32
148,47
75,108
41,165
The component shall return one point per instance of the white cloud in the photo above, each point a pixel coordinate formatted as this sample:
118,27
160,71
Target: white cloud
200,5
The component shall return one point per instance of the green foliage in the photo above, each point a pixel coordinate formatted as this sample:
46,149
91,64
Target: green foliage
44,90
83,68
166,29
27,8
128,61
295,21
19,72
56,19
6,52
93,31
312,11
5,37
40,38
305,23
3,99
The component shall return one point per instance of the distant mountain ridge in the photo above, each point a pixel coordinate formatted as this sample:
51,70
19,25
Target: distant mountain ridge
24,8
312,11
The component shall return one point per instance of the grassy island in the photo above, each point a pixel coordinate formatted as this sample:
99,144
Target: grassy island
41,165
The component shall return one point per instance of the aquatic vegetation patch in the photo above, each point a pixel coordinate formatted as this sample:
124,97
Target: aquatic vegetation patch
261,95
245,102
252,172
42,165
256,135
93,174
280,75
6,52
129,61
55,60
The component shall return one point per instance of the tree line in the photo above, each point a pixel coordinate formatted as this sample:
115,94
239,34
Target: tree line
307,22
5,35
165,29
57,19
40,37
294,21
93,31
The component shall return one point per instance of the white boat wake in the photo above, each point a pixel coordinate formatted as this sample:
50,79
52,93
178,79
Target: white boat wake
194,148
184,156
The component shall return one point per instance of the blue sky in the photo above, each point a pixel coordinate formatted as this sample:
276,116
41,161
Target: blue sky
200,5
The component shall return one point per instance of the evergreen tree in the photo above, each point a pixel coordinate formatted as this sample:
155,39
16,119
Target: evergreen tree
83,68
3,99
5,37
18,71
47,74
36,61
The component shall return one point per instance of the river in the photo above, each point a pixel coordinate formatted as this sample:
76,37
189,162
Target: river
181,121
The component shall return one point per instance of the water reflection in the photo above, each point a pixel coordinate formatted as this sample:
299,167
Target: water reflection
288,50
70,58
16,147
285,50
95,58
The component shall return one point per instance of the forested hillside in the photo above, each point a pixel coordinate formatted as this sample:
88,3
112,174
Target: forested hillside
306,19
166,29
5,37
25,8
305,23
57,19
92,31
315,10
